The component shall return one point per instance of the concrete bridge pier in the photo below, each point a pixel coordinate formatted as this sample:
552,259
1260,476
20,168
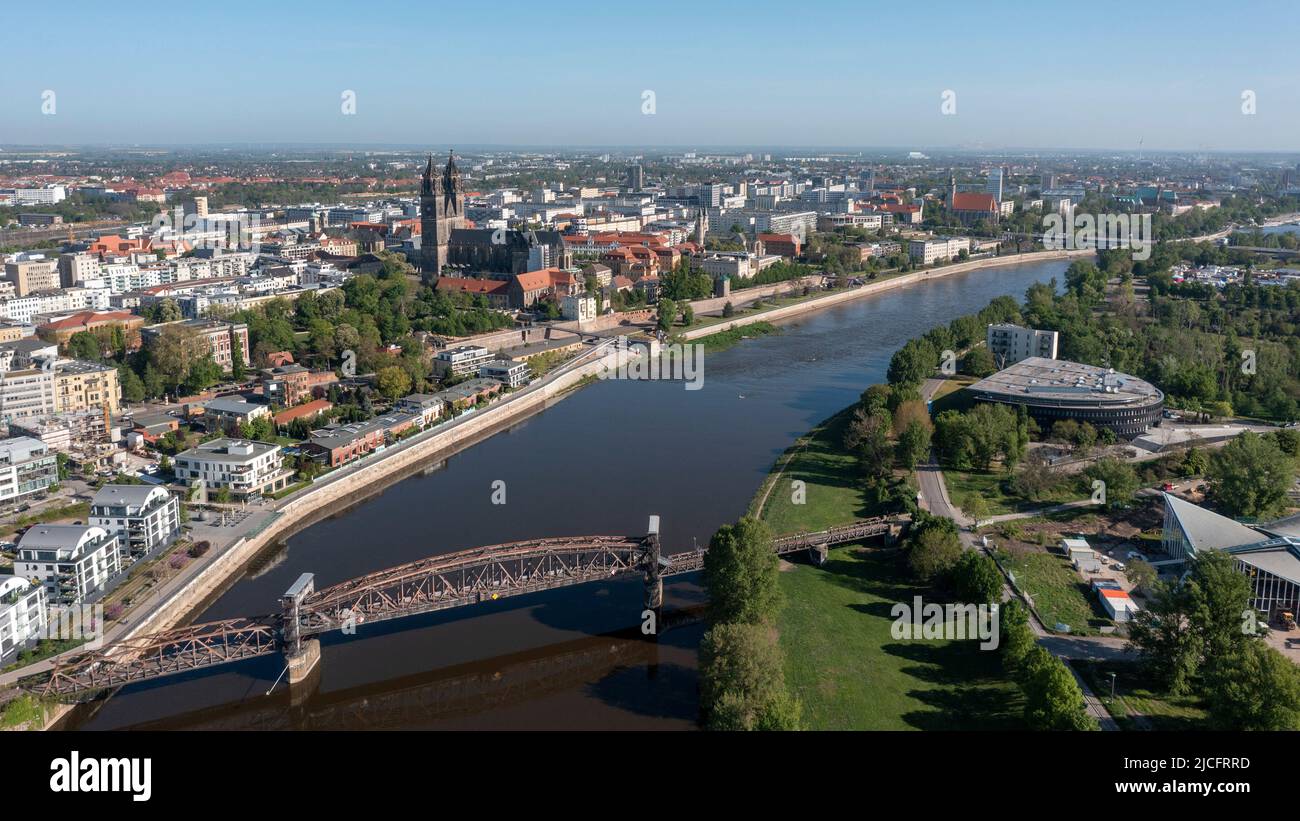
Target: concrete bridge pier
304,672
654,582
817,553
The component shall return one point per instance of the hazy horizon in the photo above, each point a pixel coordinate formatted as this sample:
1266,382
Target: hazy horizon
838,75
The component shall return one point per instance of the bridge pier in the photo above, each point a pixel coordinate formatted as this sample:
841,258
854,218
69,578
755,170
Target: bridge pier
302,656
817,553
304,671
654,581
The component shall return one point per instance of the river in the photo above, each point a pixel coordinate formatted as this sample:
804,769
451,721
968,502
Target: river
601,461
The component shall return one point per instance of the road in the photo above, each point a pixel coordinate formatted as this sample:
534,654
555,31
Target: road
933,493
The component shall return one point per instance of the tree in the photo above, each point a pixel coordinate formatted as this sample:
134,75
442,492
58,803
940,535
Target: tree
173,353
933,548
132,386
978,362
1017,637
913,444
688,314
867,435
975,578
1250,476
742,680
1161,635
85,345
1217,597
1142,574
1053,700
1253,688
237,364
912,363
1119,480
740,573
667,314
393,381
975,506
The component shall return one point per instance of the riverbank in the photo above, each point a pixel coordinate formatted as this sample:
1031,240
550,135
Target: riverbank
334,492
878,287
264,543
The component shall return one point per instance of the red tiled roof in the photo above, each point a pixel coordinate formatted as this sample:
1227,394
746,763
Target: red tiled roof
974,201
471,285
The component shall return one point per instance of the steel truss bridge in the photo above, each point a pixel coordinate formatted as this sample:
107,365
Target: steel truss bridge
439,582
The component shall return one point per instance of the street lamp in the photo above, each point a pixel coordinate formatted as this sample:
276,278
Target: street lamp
1112,686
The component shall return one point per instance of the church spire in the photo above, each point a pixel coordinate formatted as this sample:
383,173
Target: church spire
428,182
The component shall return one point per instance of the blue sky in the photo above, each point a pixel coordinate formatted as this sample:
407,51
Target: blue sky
1033,75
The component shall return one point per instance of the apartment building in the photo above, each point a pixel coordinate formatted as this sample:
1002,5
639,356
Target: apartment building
938,249
513,374
27,466
75,563
22,615
241,466
1010,344
221,337
80,386
466,359
29,276
145,518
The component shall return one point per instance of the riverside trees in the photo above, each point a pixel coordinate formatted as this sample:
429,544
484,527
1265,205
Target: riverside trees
742,679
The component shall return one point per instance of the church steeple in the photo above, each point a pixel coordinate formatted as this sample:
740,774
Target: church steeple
430,183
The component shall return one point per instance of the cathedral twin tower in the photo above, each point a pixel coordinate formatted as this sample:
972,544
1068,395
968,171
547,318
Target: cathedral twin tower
442,208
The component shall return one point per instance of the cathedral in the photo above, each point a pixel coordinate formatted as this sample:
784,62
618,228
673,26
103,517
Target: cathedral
442,209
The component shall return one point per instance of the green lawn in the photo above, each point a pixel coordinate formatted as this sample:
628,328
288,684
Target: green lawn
1059,594
849,671
25,709
950,396
1136,695
833,491
990,485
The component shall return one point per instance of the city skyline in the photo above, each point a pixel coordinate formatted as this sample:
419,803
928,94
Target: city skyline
1116,80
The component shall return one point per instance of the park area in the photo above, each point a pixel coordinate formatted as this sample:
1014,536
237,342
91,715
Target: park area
851,674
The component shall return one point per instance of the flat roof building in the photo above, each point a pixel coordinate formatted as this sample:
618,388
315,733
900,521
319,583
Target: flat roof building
1055,389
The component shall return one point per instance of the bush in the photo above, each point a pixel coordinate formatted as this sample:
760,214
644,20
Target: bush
198,549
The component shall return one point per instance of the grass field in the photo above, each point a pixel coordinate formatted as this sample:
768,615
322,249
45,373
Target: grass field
949,395
833,494
1137,704
990,486
1058,592
849,671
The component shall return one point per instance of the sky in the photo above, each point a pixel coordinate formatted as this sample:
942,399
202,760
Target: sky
1094,75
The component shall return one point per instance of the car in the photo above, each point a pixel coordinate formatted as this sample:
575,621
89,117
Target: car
1133,554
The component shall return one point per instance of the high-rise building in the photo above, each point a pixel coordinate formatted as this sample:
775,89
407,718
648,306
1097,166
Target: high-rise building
995,182
635,178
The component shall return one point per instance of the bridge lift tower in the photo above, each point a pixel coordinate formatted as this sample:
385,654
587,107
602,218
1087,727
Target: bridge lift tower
302,655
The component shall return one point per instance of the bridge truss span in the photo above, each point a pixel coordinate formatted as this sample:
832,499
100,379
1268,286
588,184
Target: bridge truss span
161,654
471,576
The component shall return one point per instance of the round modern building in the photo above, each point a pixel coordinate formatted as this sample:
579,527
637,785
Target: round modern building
1053,389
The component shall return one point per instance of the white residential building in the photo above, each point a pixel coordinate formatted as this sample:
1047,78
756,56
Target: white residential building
513,374
463,360
27,466
22,614
74,562
241,466
1010,344
143,517
938,249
